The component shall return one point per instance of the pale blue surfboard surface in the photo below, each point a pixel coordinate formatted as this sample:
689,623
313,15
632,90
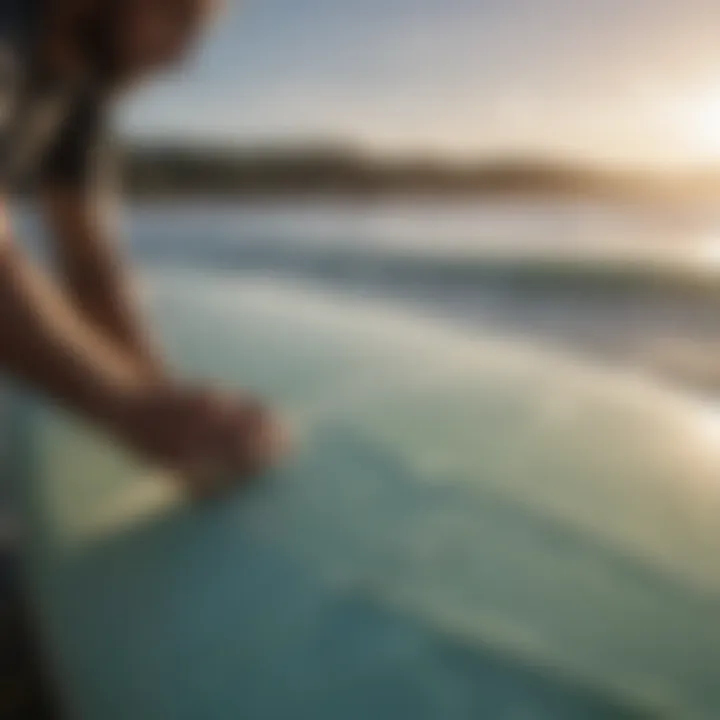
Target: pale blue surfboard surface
470,528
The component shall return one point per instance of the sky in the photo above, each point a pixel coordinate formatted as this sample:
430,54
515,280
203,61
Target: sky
607,81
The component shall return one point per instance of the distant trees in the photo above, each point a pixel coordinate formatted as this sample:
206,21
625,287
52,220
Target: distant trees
152,170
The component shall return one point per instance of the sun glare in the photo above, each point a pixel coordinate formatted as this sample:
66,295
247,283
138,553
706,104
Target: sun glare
707,255
702,127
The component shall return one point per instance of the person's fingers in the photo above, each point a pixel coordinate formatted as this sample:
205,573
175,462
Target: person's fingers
203,427
223,444
255,441
198,427
214,440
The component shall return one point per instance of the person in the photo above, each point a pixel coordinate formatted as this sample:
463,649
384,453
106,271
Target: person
64,64
80,340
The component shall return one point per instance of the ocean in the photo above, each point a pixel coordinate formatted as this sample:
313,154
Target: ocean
467,581
633,286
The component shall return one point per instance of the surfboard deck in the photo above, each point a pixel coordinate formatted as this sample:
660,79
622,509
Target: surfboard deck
470,528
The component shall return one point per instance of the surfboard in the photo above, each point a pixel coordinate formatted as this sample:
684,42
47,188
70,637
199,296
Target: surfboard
470,527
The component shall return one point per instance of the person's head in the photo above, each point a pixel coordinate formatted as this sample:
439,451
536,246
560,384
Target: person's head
152,34
128,39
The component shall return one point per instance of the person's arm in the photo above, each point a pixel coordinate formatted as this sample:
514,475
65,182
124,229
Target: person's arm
76,176
44,343
94,274
47,345
91,353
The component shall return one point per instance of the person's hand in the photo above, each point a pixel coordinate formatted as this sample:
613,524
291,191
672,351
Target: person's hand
210,439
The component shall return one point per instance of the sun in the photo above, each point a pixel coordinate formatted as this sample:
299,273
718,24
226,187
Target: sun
698,120
707,255
701,126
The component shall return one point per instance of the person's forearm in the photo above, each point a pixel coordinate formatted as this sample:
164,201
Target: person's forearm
47,345
97,279
100,288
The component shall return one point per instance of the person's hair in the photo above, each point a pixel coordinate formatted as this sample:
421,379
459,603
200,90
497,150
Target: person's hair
95,38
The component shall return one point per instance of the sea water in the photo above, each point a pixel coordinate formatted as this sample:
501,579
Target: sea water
623,284
440,625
